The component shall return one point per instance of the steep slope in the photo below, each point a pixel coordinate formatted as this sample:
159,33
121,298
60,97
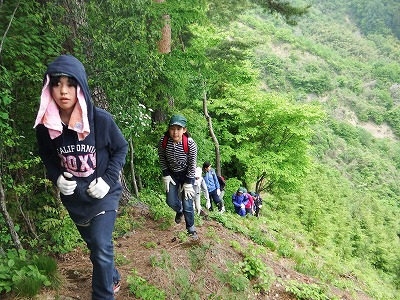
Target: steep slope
163,260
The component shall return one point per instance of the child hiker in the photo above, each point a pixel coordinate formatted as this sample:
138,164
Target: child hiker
177,152
83,151
200,187
213,187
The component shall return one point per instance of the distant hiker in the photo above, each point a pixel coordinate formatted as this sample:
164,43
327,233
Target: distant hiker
257,204
200,187
213,187
222,185
250,209
177,152
83,151
239,200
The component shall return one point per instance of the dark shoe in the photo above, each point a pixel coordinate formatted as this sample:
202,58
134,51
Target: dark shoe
178,217
219,205
193,235
203,213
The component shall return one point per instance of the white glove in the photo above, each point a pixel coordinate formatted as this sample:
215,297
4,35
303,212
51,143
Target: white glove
98,189
188,191
66,187
167,180
242,206
208,203
218,192
260,206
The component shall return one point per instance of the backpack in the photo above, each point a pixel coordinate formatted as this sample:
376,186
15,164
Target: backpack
184,143
222,182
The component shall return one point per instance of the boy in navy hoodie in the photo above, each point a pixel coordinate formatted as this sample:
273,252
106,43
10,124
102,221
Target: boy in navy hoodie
84,152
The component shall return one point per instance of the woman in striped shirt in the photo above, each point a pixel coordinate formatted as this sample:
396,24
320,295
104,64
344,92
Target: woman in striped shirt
177,152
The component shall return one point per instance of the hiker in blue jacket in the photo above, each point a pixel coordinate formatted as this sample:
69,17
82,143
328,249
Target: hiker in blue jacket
177,152
84,152
239,200
213,187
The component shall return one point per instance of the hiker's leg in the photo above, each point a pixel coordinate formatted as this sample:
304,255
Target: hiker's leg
173,199
188,213
98,237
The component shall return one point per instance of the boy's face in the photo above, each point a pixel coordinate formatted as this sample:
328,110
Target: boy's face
64,94
176,132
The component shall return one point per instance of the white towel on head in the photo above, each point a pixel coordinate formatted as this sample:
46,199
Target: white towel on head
49,115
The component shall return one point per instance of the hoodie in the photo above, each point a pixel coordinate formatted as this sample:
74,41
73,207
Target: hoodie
100,152
211,180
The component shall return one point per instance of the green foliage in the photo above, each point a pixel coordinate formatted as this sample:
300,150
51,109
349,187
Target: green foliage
269,87
259,237
142,289
124,222
234,277
198,257
163,261
26,274
255,269
60,231
376,16
306,291
158,207
186,287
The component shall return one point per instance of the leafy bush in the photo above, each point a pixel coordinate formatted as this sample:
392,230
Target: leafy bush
254,268
259,237
142,289
234,277
27,274
304,291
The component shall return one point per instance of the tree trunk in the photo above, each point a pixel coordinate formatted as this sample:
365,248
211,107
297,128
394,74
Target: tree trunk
134,183
164,45
214,138
8,220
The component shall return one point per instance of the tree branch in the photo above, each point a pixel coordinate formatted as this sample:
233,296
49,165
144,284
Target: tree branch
8,27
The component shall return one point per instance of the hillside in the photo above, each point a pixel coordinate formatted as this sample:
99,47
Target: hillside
332,191
135,250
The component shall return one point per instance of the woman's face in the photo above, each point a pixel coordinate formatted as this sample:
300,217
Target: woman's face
64,94
176,132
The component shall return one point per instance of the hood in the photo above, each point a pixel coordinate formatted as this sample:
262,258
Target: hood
198,172
70,65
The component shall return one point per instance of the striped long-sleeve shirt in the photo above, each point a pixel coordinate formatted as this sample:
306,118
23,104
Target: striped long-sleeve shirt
173,158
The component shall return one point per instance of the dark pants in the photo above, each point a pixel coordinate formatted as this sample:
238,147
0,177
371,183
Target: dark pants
257,214
98,237
215,198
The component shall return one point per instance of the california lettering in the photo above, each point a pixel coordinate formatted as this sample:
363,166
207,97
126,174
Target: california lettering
76,148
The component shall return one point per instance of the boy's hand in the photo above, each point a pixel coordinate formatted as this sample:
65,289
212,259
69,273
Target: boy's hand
66,187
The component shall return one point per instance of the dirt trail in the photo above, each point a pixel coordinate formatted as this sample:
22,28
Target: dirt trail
134,250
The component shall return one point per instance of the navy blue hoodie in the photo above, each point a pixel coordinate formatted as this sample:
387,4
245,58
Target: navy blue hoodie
101,154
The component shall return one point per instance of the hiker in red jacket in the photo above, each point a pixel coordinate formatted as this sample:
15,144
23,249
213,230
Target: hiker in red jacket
250,205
